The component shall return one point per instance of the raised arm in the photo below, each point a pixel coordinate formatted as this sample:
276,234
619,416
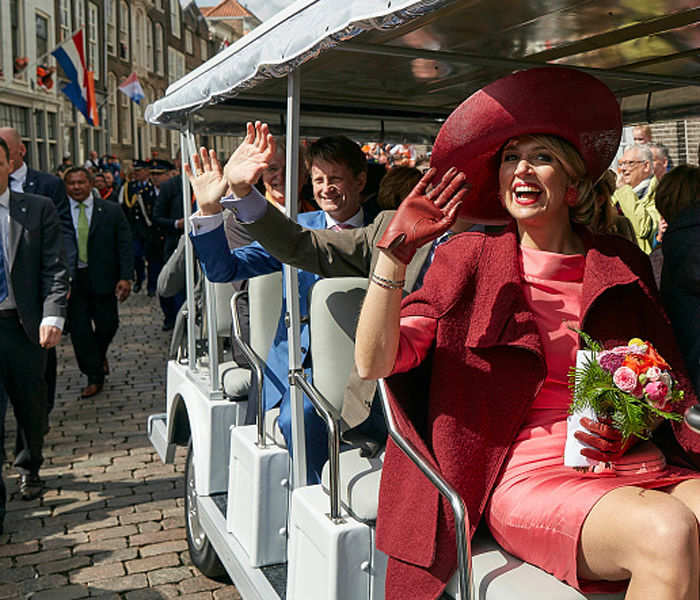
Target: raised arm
422,217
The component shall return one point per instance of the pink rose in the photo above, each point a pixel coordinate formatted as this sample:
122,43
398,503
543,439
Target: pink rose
625,379
656,391
653,373
610,361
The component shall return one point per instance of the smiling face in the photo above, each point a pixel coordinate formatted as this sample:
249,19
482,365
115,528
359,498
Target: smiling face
78,185
634,167
273,178
533,183
336,188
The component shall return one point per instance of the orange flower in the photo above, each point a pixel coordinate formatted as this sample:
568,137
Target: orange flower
656,358
639,363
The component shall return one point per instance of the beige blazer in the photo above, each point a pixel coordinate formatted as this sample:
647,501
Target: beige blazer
347,253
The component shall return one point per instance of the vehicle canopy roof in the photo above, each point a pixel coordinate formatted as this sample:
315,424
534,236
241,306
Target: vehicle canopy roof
394,69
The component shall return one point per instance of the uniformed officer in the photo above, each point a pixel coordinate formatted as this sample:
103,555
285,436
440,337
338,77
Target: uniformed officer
138,197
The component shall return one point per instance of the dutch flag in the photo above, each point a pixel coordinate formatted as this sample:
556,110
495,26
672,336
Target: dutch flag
81,87
132,88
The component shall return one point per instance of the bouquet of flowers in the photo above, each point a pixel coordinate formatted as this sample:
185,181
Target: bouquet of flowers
629,387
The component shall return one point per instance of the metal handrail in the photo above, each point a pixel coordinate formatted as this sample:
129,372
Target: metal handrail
255,361
692,418
464,550
332,418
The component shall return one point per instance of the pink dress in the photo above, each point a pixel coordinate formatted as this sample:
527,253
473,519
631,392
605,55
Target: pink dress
538,505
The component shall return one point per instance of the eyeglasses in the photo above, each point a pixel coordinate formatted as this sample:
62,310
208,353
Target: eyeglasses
629,163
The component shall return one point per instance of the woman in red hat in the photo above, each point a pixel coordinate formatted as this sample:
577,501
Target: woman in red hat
487,339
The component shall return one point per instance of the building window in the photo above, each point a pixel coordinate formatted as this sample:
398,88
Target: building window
160,62
16,117
138,38
65,20
112,101
123,30
189,42
176,65
175,18
203,49
112,28
17,29
149,44
79,15
93,40
42,37
124,117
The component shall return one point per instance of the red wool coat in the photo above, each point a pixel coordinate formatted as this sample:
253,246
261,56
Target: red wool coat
486,367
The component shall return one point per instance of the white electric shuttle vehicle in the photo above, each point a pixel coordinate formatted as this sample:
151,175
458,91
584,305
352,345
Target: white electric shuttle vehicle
383,70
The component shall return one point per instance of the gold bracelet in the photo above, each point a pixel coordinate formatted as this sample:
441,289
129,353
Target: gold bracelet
388,284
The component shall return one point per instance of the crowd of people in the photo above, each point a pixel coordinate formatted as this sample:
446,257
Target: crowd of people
481,269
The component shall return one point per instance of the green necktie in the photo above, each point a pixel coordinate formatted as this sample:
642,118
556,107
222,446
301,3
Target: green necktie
83,227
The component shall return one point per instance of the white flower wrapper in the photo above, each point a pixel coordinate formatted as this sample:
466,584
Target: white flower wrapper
572,449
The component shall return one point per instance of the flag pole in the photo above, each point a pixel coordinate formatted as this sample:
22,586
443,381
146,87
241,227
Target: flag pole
40,59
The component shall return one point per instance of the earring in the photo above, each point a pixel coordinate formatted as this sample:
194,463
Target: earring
571,197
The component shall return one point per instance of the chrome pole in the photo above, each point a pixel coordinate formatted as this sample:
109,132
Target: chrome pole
291,281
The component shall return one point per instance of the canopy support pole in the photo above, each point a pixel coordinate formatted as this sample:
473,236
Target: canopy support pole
186,138
291,282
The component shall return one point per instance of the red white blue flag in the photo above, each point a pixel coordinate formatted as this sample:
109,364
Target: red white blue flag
81,84
132,88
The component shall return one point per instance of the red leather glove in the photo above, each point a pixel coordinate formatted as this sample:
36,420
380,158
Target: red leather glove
606,441
424,215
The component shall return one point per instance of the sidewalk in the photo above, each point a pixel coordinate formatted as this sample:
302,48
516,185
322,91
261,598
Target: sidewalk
110,523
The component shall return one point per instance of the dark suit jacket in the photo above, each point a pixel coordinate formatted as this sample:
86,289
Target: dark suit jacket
348,253
110,248
50,186
168,209
37,267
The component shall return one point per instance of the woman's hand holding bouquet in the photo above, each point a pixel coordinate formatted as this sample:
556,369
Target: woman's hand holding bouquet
628,389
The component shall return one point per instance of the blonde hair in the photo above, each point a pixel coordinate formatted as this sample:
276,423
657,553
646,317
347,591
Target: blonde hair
678,190
584,210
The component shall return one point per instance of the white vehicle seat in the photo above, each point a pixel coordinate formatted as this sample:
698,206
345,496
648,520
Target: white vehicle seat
235,378
335,306
265,304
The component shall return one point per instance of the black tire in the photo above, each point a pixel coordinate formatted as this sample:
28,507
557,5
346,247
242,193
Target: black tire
201,551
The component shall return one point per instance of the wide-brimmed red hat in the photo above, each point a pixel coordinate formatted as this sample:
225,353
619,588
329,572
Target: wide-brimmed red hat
549,100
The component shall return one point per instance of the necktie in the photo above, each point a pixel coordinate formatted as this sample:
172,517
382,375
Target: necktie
3,276
341,227
83,227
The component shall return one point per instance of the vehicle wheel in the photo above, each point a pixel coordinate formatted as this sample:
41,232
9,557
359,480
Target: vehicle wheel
201,551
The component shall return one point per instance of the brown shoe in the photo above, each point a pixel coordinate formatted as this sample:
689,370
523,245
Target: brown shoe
91,390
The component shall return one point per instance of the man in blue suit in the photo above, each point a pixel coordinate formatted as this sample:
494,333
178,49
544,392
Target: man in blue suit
338,170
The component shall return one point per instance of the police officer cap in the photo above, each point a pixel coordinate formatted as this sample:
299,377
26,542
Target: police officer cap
140,164
159,165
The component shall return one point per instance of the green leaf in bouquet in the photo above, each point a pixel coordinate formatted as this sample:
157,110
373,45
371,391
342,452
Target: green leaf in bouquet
590,343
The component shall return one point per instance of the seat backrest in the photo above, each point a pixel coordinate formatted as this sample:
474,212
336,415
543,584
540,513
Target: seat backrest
265,304
335,308
223,293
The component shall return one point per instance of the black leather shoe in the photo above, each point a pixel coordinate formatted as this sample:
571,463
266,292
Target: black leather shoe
30,486
168,326
137,287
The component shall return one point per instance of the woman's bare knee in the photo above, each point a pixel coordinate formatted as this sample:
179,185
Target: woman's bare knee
632,530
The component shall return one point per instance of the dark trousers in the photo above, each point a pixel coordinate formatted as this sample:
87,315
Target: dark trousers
22,370
94,320
3,491
146,252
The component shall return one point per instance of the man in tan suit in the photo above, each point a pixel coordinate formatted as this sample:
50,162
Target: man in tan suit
346,253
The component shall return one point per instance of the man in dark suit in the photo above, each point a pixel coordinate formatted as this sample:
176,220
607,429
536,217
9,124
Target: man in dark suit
25,180
103,271
33,298
168,216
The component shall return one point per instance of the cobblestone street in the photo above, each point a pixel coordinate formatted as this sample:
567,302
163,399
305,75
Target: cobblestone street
110,523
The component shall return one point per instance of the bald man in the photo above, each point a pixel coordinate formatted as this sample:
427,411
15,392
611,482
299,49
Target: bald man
25,180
